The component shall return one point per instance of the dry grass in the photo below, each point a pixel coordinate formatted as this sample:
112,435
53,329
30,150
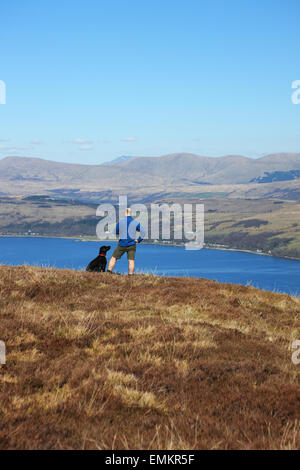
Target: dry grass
110,362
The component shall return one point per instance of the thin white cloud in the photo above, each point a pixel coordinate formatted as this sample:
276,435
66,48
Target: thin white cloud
35,142
4,148
129,139
82,142
85,147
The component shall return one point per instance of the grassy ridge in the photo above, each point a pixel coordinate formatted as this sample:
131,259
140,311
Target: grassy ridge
266,225
99,362
269,226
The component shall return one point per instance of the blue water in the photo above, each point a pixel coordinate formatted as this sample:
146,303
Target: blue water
274,274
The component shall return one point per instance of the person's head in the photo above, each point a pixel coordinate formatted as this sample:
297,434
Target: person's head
128,212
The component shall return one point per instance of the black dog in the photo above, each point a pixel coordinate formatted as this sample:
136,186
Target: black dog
98,265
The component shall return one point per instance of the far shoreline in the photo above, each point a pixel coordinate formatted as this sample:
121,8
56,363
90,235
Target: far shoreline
206,247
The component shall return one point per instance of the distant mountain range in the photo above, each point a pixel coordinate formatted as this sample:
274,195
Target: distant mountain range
231,169
276,175
117,161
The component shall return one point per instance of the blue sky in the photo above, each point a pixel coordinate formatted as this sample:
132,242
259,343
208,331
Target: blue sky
88,81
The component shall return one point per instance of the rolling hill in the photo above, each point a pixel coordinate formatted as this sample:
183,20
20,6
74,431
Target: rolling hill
232,176
96,361
231,169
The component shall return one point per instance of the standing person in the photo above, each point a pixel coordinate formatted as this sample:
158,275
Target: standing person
127,229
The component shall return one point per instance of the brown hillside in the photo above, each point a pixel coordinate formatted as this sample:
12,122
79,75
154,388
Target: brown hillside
145,177
96,361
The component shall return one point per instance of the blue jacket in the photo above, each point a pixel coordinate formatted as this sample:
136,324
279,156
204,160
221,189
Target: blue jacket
127,229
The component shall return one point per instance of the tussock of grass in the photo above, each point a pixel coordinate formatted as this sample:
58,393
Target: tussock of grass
103,362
